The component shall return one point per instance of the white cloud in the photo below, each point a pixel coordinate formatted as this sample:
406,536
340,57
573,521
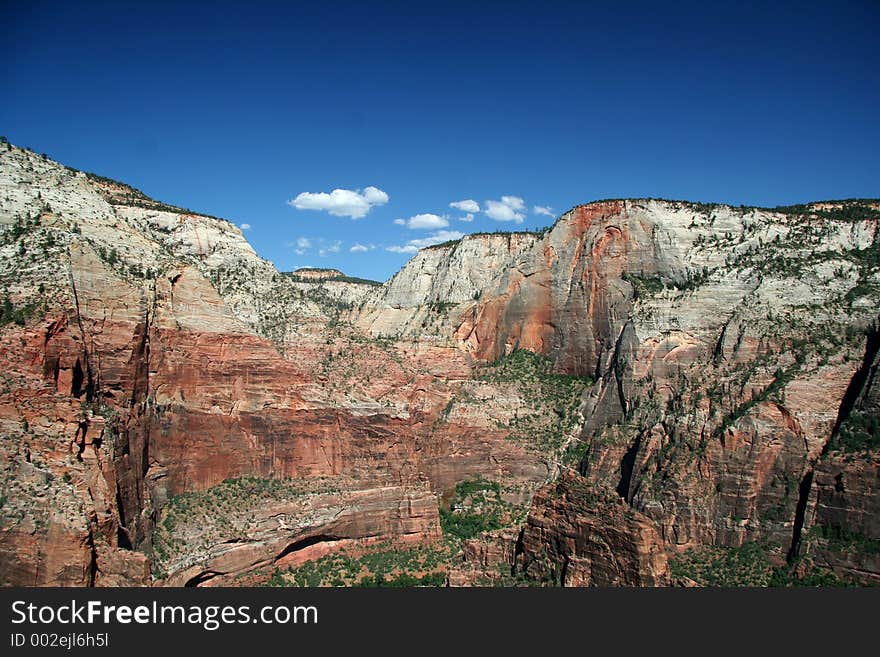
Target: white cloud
414,245
375,196
514,202
426,222
543,209
362,248
332,247
400,222
245,226
303,244
509,208
468,205
341,202
467,217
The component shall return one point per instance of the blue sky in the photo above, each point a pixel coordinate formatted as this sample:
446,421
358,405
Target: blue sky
252,112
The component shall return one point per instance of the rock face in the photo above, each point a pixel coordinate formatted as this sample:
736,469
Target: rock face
842,524
167,359
316,275
580,536
724,343
173,410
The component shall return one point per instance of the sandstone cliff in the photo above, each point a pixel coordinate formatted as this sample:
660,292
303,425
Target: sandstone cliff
174,410
726,344
154,356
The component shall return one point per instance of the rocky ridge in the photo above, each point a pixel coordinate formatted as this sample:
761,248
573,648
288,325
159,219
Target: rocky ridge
642,382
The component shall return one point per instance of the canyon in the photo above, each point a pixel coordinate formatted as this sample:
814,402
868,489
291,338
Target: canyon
645,393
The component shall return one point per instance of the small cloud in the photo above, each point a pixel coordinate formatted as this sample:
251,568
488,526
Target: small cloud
400,222
467,217
425,222
341,202
375,196
514,202
245,226
437,238
468,205
543,209
331,247
362,248
509,208
303,244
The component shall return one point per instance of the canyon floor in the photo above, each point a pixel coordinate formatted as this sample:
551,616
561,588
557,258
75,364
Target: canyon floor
646,393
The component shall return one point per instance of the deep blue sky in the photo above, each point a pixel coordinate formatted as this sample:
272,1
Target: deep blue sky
234,111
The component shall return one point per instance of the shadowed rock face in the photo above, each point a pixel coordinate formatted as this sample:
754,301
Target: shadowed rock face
162,377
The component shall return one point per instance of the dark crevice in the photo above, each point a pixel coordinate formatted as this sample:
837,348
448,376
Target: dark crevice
93,560
76,387
518,550
619,369
718,350
856,385
81,439
91,386
122,538
304,543
627,465
201,578
121,530
799,515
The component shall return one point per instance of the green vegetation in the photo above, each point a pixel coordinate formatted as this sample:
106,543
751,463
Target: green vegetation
523,365
649,286
442,245
644,286
117,193
476,507
796,252
539,232
20,227
331,306
341,278
554,398
856,209
191,521
781,378
441,306
359,281
842,540
752,564
188,506
385,566
860,432
10,314
504,578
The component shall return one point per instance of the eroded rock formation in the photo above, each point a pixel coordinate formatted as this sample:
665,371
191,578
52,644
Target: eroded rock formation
173,410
